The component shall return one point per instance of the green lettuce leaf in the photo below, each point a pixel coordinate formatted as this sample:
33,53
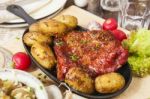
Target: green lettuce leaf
138,45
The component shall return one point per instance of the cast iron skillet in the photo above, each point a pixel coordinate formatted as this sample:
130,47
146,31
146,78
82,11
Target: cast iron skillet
124,70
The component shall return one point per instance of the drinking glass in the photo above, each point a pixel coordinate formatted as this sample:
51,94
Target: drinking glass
134,14
5,58
110,8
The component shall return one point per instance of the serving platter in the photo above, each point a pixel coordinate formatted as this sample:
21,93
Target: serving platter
124,71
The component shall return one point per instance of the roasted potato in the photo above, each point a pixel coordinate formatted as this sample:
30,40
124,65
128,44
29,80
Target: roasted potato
79,80
1,83
69,20
43,54
4,96
52,28
8,86
31,37
109,83
34,27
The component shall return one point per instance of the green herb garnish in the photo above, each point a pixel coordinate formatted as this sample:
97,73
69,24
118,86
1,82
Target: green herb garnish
74,57
30,89
17,38
14,98
45,76
41,87
83,42
39,74
60,43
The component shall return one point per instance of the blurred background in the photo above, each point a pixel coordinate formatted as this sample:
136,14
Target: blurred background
111,8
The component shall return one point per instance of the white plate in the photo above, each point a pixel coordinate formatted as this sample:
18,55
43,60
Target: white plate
11,25
54,92
51,7
30,6
27,79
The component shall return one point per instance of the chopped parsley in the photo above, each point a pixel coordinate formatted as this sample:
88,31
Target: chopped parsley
96,47
41,87
14,98
39,74
17,38
30,89
59,43
44,52
74,57
45,76
83,42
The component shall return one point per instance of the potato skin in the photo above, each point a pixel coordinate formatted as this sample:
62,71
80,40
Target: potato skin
55,27
43,54
52,28
69,20
109,83
4,96
79,80
32,37
1,83
34,27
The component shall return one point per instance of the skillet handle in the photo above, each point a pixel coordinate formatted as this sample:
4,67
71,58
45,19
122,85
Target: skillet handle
20,12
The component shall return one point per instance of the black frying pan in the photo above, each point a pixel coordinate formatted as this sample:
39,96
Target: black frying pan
124,70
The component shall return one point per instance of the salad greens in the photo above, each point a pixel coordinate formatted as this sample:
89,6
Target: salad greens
138,45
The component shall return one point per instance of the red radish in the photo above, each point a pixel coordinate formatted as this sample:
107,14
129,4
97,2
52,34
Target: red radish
120,35
110,24
21,61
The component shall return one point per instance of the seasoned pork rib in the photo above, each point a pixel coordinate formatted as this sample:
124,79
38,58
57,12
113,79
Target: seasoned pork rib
97,52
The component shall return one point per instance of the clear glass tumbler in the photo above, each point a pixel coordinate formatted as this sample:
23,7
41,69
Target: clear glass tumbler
110,8
134,14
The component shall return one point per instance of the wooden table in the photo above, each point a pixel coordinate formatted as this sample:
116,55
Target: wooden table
139,87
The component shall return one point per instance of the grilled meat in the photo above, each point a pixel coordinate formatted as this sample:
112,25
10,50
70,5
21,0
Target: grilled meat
96,52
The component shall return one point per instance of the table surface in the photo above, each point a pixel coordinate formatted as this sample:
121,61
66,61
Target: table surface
101,12
139,87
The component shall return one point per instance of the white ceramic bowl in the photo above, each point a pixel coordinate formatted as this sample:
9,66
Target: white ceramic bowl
27,79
